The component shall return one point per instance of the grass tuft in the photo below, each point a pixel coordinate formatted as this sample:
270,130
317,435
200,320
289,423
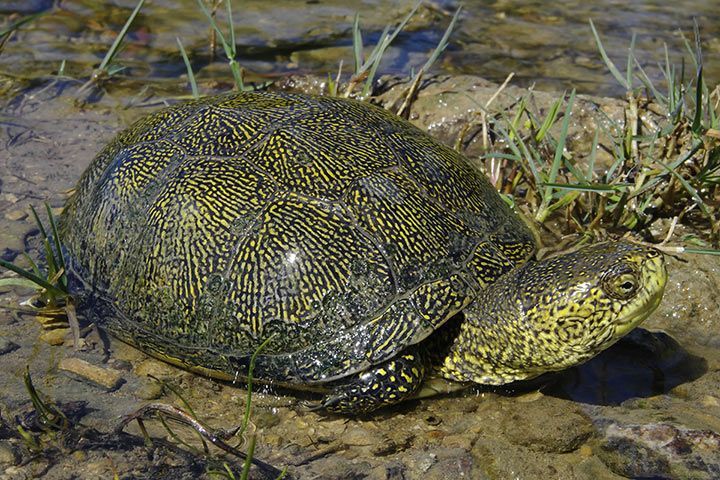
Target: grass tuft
107,68
666,155
229,46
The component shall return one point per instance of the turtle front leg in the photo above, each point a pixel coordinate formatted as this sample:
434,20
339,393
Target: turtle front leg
381,385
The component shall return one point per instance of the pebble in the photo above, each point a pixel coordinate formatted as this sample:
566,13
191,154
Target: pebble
149,391
384,448
155,368
12,242
529,397
14,473
273,440
107,378
660,450
6,346
55,336
358,437
7,454
550,427
16,215
464,442
710,401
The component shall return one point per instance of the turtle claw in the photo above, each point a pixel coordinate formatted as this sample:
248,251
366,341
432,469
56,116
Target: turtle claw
311,405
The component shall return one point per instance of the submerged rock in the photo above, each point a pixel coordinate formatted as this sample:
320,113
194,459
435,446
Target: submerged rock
6,346
661,450
107,378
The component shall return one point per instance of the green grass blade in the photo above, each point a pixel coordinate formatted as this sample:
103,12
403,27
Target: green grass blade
690,189
191,74
229,51
589,187
549,120
53,267
357,44
37,280
18,282
248,458
231,27
645,79
630,62
237,75
443,43
559,150
120,37
373,69
39,224
669,168
514,157
574,171
670,80
372,64
610,65
593,156
701,251
15,25
376,52
60,259
697,120
251,368
33,265
521,151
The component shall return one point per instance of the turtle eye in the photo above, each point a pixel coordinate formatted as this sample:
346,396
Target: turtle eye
622,286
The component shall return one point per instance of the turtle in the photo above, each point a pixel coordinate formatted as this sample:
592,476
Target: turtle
338,249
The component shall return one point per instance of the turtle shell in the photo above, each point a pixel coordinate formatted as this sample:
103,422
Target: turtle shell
328,229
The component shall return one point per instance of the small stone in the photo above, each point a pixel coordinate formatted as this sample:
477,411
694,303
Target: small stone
70,343
12,243
710,401
16,215
149,391
548,426
358,437
390,471
630,459
79,456
155,368
15,473
433,420
6,346
423,461
384,448
107,378
529,397
266,418
464,442
660,450
8,456
55,336
273,440
585,451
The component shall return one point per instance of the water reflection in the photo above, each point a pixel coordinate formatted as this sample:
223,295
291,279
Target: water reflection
642,364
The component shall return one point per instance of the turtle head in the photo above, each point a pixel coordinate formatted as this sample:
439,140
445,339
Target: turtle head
552,314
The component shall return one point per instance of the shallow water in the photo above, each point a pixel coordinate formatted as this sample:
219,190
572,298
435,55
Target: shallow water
545,44
584,423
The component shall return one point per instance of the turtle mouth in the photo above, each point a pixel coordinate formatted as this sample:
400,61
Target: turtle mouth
654,278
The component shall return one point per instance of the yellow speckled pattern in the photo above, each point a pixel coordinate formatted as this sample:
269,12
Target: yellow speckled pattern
344,235
342,231
555,314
